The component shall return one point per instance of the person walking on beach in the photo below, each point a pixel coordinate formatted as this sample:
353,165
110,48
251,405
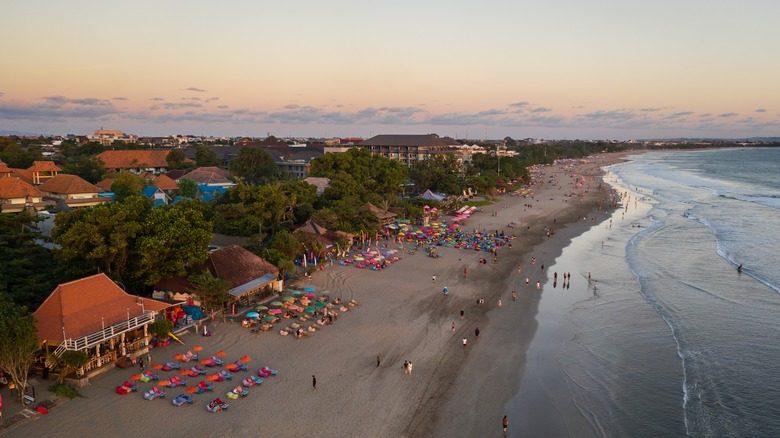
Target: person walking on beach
538,284
453,327
505,424
514,295
527,280
378,360
465,341
314,382
462,313
141,363
476,332
406,367
410,367
445,290
465,272
500,304
433,279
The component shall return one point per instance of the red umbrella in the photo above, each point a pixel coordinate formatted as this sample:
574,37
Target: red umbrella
164,383
136,377
212,377
221,353
191,389
179,356
205,361
184,372
197,348
157,366
245,359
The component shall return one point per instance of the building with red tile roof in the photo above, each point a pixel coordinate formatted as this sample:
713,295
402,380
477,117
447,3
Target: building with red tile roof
43,170
16,195
75,191
137,161
165,183
212,176
245,271
95,315
5,171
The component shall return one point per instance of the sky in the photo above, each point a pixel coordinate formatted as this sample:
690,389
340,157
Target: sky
555,69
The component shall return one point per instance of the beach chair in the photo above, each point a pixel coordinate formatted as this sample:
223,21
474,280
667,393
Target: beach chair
205,386
232,395
181,399
144,379
257,380
240,391
248,382
151,375
225,375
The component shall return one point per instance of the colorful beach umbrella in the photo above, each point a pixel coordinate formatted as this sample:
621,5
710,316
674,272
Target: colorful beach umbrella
288,299
311,295
205,361
179,356
191,390
296,292
212,377
308,289
157,366
320,304
309,310
184,372
276,303
252,315
197,348
164,382
136,377
269,318
245,359
261,308
274,312
220,353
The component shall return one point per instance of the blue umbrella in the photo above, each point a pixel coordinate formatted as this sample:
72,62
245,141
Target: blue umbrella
308,289
252,315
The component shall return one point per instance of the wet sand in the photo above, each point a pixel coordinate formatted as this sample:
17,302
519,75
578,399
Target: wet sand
401,316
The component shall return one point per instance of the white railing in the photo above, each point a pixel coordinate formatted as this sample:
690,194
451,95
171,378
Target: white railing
105,334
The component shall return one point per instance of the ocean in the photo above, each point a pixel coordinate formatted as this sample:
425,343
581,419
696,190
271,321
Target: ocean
672,340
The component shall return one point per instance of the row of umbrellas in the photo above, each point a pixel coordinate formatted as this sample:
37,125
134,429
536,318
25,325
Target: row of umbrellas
179,356
304,296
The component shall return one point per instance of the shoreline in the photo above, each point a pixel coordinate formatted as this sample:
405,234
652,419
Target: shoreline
401,316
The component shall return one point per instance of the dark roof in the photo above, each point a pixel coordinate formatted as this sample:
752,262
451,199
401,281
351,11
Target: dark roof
238,266
407,140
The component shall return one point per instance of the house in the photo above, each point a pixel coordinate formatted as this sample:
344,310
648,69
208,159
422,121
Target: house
206,192
95,315
247,273
137,161
42,171
408,148
17,195
73,190
210,176
384,217
5,171
324,236
320,183
108,136
291,160
166,184
157,195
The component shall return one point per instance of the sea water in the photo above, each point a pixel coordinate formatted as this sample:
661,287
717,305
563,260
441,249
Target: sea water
672,341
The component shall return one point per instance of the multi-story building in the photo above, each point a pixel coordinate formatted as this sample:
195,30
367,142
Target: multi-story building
408,148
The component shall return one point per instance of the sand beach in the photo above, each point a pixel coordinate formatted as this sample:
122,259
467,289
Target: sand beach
401,316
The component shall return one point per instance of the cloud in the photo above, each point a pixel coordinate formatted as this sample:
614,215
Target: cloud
541,109
174,105
156,98
292,106
197,90
759,110
519,104
118,98
679,114
2,94
222,106
727,115
190,98
210,99
58,108
650,110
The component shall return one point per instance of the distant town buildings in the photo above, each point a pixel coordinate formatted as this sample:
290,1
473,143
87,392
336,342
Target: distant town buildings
108,136
408,148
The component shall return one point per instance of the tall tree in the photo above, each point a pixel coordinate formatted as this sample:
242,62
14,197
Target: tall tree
19,337
127,184
205,157
92,169
175,159
212,291
254,165
188,188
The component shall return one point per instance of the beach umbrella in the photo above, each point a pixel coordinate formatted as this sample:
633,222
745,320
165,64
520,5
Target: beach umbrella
269,318
212,377
157,366
274,312
261,308
179,356
288,299
311,295
296,292
205,361
184,372
320,304
276,303
308,289
325,292
197,348
309,310
245,359
164,383
252,315
221,353
136,377
191,390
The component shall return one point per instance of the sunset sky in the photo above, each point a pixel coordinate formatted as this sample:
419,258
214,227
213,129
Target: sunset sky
601,69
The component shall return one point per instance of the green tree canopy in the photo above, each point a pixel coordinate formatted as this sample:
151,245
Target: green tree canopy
205,157
367,173
254,165
127,184
19,337
212,291
188,188
175,159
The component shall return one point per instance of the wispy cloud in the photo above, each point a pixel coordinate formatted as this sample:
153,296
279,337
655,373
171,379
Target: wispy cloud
728,115
156,98
57,108
118,98
2,94
175,105
759,110
211,99
197,90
